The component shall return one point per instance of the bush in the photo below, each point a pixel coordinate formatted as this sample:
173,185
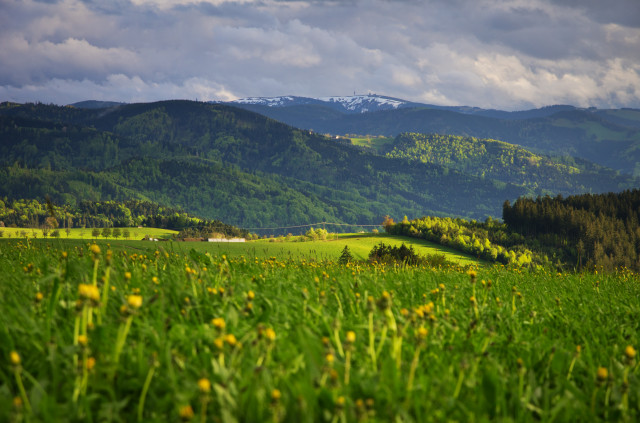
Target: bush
389,254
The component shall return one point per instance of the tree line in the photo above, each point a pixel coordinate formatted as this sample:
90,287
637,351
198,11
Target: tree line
592,231
32,213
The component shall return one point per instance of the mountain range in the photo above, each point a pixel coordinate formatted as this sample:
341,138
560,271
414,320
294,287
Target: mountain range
608,137
224,162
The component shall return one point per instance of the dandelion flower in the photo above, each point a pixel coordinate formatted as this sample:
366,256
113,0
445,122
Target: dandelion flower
602,374
186,412
230,339
270,334
14,357
204,385
134,301
330,358
218,323
219,343
89,292
630,352
91,363
276,395
351,337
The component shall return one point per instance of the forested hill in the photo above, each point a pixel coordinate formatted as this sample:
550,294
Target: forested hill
609,138
222,162
588,230
509,163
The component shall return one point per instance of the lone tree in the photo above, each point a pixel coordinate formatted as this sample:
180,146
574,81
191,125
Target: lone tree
95,232
345,256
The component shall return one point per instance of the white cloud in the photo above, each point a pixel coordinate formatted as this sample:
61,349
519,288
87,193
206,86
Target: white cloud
500,54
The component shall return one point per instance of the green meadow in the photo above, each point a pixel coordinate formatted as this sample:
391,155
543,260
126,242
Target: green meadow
175,331
85,233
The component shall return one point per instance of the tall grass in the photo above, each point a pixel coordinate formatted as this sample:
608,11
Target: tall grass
166,336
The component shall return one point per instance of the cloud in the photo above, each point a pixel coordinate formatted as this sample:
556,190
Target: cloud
504,54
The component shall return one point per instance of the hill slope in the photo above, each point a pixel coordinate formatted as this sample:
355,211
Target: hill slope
225,163
508,163
609,138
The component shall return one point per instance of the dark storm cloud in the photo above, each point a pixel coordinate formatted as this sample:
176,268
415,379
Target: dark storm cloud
622,12
503,54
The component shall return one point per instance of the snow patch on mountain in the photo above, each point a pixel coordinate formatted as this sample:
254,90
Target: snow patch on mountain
349,104
266,101
365,103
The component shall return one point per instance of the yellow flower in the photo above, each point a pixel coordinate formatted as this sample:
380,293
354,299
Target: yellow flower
630,352
602,374
218,323
219,343
39,296
250,295
351,337
422,333
127,275
17,402
204,385
330,358
186,412
83,340
270,334
134,301
230,339
94,249
276,395
14,357
91,363
89,292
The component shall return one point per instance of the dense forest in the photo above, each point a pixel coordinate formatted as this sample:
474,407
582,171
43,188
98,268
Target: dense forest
509,163
107,214
609,138
593,232
223,163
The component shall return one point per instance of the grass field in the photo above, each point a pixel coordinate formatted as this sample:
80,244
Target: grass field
359,244
377,143
150,332
86,233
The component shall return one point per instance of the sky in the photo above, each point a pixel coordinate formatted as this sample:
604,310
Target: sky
502,54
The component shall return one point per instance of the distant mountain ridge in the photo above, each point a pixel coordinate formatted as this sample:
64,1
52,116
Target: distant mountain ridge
223,162
608,137
345,104
367,103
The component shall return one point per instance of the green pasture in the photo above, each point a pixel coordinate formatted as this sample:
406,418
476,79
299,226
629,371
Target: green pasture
85,233
359,244
377,143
